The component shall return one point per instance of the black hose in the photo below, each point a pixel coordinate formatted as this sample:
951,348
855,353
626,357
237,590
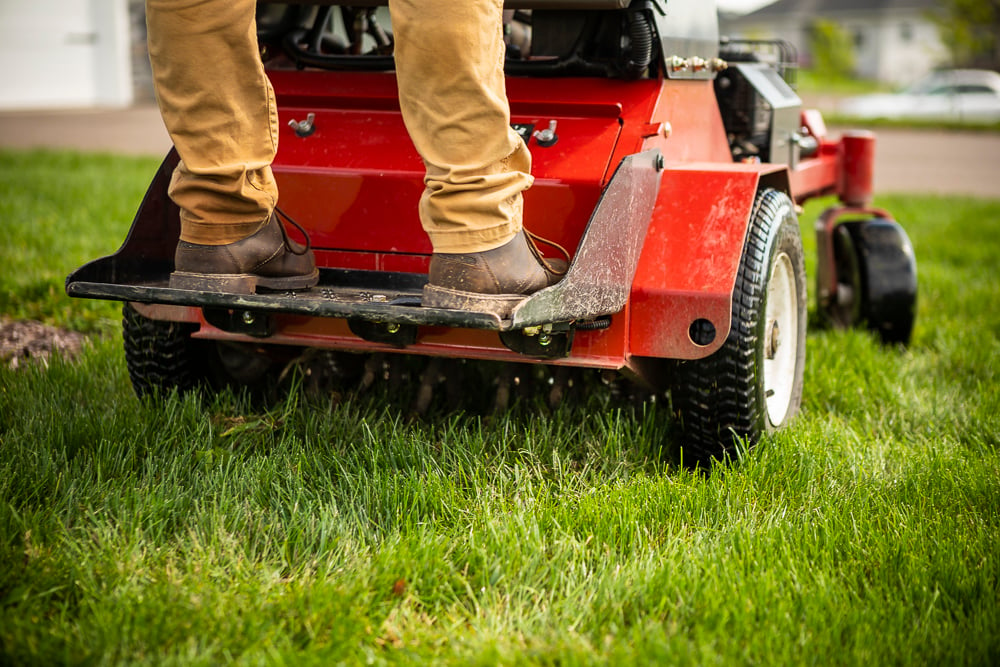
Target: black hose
641,37
598,324
314,36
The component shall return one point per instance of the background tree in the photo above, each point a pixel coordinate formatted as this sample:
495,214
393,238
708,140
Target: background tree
970,29
832,50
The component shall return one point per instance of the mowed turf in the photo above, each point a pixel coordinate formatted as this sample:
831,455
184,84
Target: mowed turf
206,529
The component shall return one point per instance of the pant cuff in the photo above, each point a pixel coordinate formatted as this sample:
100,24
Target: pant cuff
213,233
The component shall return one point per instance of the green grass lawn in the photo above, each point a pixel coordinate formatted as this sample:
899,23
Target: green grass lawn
204,530
810,82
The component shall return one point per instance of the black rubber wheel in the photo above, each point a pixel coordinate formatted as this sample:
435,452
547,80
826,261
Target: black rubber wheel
844,310
753,384
161,356
887,271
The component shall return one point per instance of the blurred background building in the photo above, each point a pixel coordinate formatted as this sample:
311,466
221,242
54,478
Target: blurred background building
894,41
92,53
72,54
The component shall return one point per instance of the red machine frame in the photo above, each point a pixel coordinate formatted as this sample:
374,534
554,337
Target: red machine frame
694,238
640,174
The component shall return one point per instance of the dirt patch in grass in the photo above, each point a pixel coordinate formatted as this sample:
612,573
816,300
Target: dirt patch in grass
26,341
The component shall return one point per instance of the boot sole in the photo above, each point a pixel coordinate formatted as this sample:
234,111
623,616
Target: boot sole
240,283
501,305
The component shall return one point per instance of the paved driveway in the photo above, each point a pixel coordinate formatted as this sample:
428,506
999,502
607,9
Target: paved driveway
930,161
134,131
906,160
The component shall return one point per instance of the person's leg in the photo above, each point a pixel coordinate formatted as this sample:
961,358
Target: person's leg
449,66
219,109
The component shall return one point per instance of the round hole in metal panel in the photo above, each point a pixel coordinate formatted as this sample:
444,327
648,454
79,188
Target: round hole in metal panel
702,332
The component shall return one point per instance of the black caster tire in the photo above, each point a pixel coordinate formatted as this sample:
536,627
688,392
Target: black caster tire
844,309
753,384
883,279
161,356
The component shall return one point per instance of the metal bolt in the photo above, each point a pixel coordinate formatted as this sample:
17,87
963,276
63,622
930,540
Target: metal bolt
548,136
305,127
248,317
392,328
773,341
677,64
545,340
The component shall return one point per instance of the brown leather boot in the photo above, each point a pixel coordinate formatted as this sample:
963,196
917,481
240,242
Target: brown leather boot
493,281
267,259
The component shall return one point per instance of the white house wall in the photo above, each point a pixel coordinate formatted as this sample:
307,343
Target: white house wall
883,53
904,60
64,53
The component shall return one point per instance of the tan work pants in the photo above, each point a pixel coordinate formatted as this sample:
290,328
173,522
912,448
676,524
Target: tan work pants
219,109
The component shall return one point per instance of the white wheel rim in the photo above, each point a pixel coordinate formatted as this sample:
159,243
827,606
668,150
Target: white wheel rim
781,342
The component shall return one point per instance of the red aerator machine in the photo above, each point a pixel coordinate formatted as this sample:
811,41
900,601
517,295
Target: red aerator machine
671,161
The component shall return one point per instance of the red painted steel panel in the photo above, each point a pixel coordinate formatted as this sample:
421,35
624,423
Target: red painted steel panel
688,266
355,182
591,349
813,177
855,182
696,130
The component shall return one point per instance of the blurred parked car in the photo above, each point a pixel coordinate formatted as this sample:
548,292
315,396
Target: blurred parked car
959,95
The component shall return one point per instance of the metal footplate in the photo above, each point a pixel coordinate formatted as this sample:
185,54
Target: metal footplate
597,282
382,297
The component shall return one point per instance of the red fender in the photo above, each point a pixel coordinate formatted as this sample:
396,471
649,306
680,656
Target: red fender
687,269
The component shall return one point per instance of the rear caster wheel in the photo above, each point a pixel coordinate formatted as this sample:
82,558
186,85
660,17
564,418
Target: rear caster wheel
876,279
162,356
844,309
753,384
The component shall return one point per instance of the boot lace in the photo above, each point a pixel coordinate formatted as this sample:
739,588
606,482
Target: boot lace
284,233
534,240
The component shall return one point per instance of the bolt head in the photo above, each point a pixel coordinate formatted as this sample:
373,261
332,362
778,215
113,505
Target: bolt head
678,64
718,64
773,340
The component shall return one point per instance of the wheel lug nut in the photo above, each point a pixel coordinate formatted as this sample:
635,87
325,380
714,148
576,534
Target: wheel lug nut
773,341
